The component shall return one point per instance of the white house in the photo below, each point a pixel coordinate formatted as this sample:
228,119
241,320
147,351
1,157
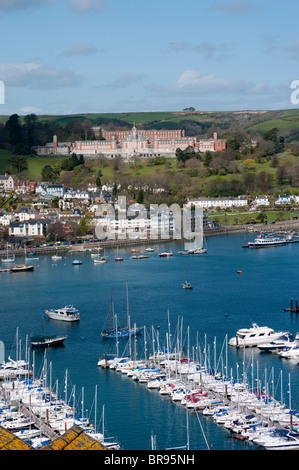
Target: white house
261,201
76,194
53,190
24,214
284,199
5,218
222,202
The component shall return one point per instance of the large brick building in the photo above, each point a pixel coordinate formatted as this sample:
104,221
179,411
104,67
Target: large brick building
145,143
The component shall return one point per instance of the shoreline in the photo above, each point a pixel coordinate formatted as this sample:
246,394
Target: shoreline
219,231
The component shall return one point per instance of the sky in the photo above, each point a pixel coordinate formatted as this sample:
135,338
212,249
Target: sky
116,56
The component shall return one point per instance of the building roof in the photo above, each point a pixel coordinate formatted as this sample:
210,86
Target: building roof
74,439
9,441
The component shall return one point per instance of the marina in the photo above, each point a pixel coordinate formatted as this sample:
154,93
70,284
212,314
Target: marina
220,303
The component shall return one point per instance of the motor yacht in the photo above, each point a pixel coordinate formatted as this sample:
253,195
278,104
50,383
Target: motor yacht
278,345
254,336
67,313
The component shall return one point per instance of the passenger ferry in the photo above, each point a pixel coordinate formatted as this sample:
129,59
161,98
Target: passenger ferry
264,242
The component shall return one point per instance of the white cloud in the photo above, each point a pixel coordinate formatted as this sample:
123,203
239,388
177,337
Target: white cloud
236,7
207,49
8,5
79,6
192,83
80,49
33,75
82,6
125,80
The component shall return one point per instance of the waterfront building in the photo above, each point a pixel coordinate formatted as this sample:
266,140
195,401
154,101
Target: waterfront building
28,228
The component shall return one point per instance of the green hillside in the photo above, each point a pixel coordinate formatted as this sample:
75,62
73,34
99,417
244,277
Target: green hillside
194,123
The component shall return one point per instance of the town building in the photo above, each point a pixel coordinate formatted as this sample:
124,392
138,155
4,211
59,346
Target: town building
25,187
28,228
7,183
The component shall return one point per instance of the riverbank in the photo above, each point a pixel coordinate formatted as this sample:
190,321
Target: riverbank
95,245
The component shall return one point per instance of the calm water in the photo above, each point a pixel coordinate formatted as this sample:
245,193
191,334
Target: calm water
221,302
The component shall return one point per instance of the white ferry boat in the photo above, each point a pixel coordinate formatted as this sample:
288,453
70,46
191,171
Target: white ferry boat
264,242
67,313
254,336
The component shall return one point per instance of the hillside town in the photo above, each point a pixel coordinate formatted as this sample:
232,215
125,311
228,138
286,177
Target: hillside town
40,211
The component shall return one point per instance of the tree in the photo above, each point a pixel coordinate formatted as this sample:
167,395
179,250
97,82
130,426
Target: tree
281,173
19,163
50,173
13,128
261,217
140,197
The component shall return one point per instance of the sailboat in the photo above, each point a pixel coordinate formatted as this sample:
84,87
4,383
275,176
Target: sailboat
119,332
118,258
100,259
7,260
186,284
22,267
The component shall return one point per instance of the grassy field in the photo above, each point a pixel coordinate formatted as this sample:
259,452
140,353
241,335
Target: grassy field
241,218
35,164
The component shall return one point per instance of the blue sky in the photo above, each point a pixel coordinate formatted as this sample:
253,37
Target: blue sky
81,56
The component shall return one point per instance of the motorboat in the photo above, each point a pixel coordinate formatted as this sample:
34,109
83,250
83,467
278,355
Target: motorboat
290,352
165,254
67,313
56,257
278,345
281,439
254,336
76,261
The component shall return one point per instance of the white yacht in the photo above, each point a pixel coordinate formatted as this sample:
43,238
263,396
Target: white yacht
281,439
290,352
67,313
254,336
278,344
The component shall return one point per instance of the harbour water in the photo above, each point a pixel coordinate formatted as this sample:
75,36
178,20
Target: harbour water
221,302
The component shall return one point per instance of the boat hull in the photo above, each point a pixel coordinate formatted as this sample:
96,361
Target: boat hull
47,342
122,333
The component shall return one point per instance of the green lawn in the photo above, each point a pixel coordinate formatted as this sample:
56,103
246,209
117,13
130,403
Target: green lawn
240,218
